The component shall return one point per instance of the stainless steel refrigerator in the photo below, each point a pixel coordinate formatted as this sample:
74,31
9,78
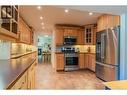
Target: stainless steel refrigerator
107,54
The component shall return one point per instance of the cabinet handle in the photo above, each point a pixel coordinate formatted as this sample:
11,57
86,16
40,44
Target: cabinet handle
22,85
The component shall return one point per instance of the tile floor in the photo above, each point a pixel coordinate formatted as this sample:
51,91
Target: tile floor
47,78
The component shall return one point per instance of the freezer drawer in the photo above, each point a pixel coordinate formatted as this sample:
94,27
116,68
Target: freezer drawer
106,72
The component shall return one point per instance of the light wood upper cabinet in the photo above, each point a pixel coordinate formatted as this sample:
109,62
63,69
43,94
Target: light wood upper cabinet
94,35
106,21
25,32
9,15
59,33
59,61
81,35
116,20
89,35
81,61
70,32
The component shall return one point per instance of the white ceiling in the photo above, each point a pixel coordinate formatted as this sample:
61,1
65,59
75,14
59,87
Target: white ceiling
114,9
55,15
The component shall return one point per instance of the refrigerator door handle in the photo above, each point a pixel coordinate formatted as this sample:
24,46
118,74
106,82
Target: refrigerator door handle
109,66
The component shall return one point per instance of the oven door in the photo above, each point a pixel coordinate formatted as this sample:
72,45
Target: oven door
71,61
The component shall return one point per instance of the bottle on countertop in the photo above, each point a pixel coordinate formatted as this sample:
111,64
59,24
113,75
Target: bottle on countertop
88,49
77,50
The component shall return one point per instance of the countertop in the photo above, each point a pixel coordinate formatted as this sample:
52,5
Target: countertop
79,52
117,85
11,69
19,55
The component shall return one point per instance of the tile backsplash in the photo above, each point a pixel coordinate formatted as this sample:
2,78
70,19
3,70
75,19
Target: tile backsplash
81,48
20,48
86,48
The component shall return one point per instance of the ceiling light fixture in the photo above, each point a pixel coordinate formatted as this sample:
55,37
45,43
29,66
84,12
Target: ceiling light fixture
38,7
41,17
90,13
66,11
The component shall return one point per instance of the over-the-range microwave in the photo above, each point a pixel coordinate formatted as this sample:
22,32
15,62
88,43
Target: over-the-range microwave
70,40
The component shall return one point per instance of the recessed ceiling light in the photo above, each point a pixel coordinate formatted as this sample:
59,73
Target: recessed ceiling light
39,7
42,23
66,11
90,13
41,17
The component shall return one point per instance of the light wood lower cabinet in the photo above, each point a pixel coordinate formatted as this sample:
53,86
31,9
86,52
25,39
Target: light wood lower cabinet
27,80
21,83
92,62
89,61
31,77
86,60
59,61
81,61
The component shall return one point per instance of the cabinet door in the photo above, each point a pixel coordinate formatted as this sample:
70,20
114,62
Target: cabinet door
59,36
86,60
110,21
105,22
74,32
31,76
24,31
66,32
98,25
81,61
60,61
89,35
81,39
70,32
94,35
116,20
92,62
21,83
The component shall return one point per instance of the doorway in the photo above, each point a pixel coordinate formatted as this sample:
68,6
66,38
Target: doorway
44,49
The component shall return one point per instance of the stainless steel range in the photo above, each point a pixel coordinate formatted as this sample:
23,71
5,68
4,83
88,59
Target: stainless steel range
71,58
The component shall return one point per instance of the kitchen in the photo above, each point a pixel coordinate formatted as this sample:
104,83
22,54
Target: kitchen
75,47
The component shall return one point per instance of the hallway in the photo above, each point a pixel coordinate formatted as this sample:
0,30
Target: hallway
47,78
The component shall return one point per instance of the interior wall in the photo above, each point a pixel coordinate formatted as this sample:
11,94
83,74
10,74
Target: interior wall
5,49
123,46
